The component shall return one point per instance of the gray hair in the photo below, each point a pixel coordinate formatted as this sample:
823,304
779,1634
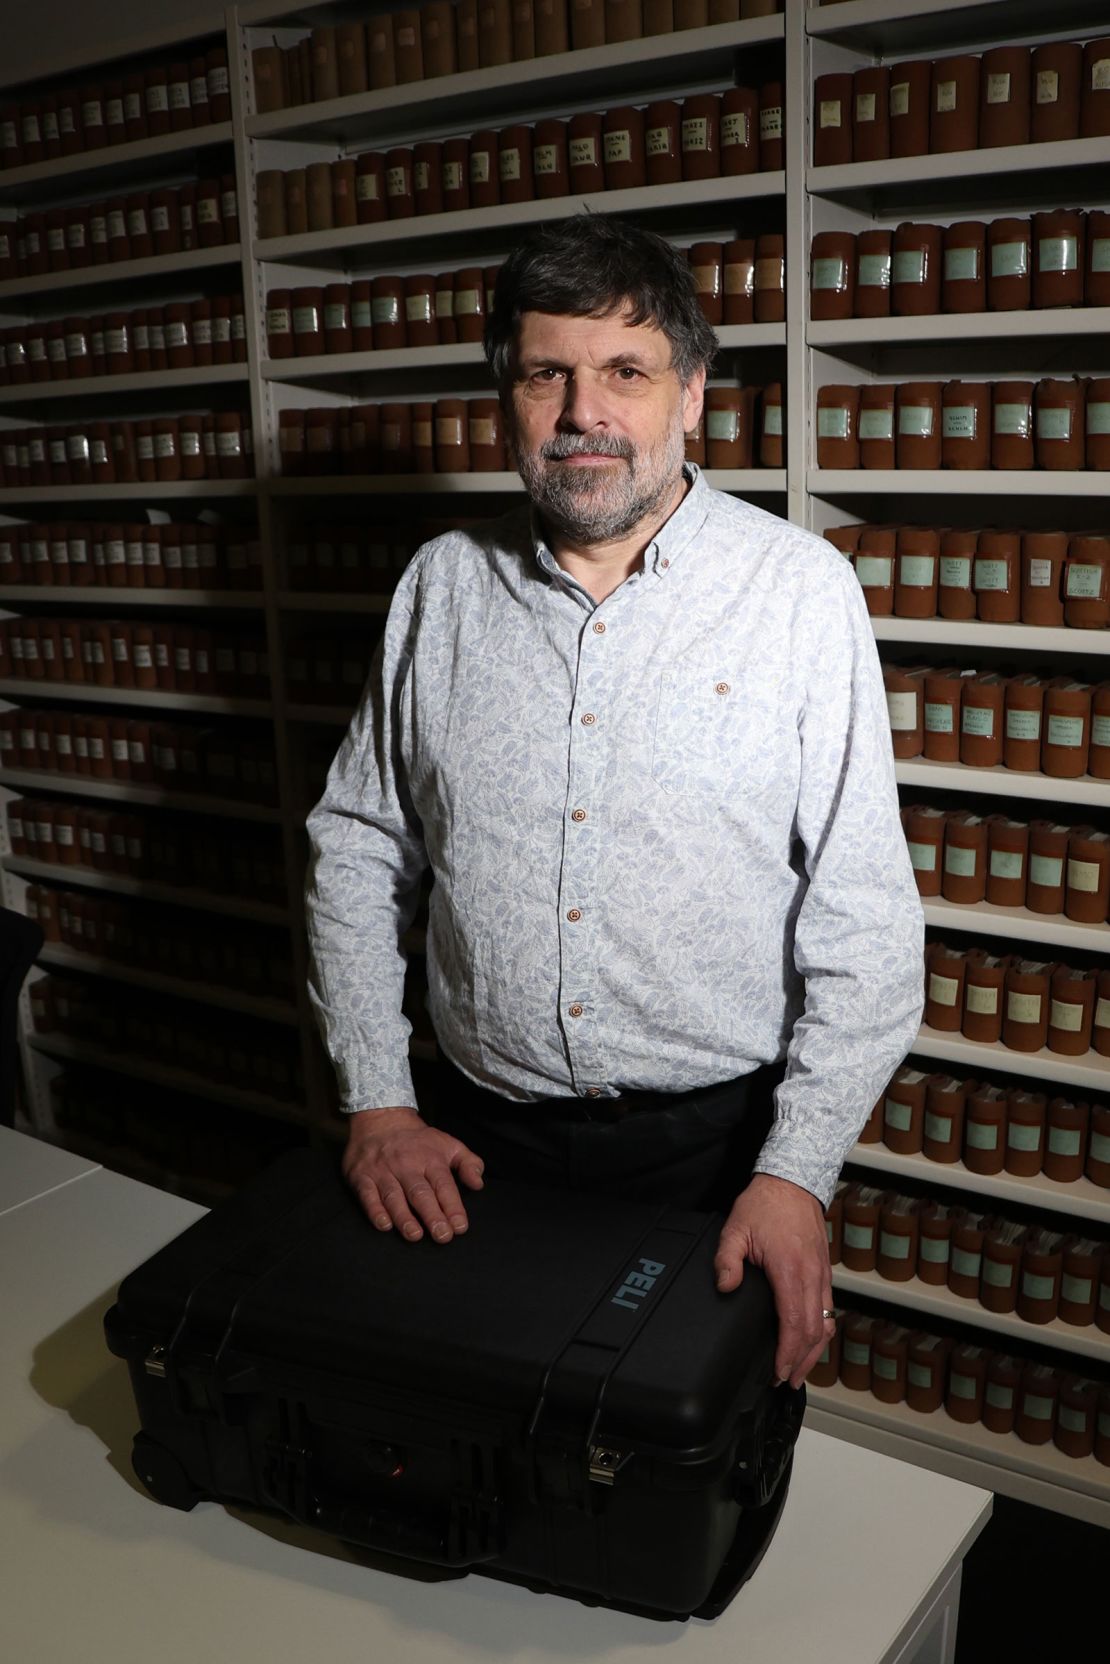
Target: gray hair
591,266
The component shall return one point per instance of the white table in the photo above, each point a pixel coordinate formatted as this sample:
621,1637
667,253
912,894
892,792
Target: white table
864,1569
29,1168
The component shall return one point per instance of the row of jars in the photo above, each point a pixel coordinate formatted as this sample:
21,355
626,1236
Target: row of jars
213,1046
384,313
973,1384
123,653
708,135
1056,422
162,98
971,1122
1026,1005
167,940
1009,95
968,858
442,38
327,669
138,555
138,226
1056,258
197,446
1000,576
182,336
226,861
1043,1276
353,559
984,719
215,762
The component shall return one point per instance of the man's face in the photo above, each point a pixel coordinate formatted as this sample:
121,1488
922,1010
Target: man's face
598,418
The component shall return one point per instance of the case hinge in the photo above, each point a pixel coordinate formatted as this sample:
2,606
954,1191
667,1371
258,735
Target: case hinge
606,1462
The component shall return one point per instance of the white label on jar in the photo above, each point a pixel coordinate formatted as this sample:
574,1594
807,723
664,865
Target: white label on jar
277,321
208,211
1007,863
1009,259
734,130
961,1386
830,112
831,273
894,1247
1013,419
934,1249
919,1375
695,136
960,862
177,335
218,82
857,1352
916,570
965,1263
509,164
991,575
984,1003
958,421
1046,870
92,113
961,265
981,1135
179,96
1083,875
923,857
1098,417
722,424
306,320
909,265
1024,1008
772,420
142,338
955,573
859,1236
545,158
164,445
452,176
832,423
1040,574
76,346
946,96
874,571
998,1276
449,430
479,169
915,421
361,314
1057,254
1023,725
885,1368
1100,75
938,717
157,98
1077,1291
228,444
198,90
116,552
943,989
190,443
865,106
1072,1421
418,309
770,123
395,181
144,447
902,710
1099,254
1066,731
998,89
877,424
1084,582
385,309
899,98
1054,422
1048,86
56,239
1037,1288
978,720
468,303
366,185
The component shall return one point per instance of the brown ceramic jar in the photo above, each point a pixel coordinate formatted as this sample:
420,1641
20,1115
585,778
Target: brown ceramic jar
1025,1016
832,275
832,119
918,424
1059,257
985,1119
966,425
1004,96
964,279
739,138
965,857
916,266
910,99
954,107
1067,728
955,596
874,568
1043,557
1048,849
873,273
871,113
1087,583
623,153
662,142
699,137
1012,444
1010,264
837,426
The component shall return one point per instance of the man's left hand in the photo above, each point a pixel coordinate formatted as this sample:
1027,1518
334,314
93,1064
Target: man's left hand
781,1228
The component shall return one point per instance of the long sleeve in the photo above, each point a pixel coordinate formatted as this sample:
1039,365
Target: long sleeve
367,856
859,932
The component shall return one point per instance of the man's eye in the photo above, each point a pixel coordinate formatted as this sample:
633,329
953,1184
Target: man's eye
627,373
547,376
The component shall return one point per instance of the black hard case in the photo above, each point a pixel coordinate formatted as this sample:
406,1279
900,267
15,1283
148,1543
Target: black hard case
559,1396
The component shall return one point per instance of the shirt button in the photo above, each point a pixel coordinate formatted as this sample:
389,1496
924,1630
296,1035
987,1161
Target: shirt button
576,1010
722,687
589,719
574,915
664,563
593,1091
578,814
599,628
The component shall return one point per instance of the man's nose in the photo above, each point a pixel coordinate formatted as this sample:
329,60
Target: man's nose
583,405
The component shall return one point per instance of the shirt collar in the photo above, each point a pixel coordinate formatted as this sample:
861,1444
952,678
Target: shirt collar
673,536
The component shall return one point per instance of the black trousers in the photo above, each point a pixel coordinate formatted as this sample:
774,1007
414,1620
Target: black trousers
691,1149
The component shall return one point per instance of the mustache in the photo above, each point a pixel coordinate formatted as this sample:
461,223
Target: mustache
581,444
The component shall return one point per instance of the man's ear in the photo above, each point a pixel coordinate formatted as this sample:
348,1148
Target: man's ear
693,398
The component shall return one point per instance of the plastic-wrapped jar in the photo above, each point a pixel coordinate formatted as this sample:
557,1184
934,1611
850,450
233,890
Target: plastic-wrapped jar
916,267
1012,425
965,857
966,425
484,169
1087,583
935,1225
396,438
876,424
387,311
967,1379
1007,861
486,435
1098,421
945,1105
622,145
857,1337
826,1370
452,442
1000,1398
943,698
1037,1399
699,137
1068,1121
837,426
860,1241
1004,96
985,1125
832,119
1001,1268
871,113
926,1371
996,576
910,88
728,432
1076,1416
874,257
1021,746
420,311
549,159
918,424
1043,555
739,137
1098,755
1060,436
954,113
771,126
946,972
1048,850
888,1363
981,720
1067,728
904,710
965,1259
832,275
924,829
770,279
904,1111
707,266
1010,264
370,201
1087,883
915,593
427,175
1096,283
1059,257
963,281
1080,1280
1025,1015
400,197
1094,109
344,195
470,303
1042,1268
739,281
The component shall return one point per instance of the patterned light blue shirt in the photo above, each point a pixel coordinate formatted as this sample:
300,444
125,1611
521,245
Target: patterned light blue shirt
663,830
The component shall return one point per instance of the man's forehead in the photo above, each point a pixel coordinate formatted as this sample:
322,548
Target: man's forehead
606,335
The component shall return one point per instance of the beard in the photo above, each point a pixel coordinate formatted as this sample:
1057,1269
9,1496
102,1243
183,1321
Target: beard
596,505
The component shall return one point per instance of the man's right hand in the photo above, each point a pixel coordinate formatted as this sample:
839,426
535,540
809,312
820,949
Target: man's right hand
402,1171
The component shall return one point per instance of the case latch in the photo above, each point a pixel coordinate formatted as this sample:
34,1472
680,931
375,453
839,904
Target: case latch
606,1462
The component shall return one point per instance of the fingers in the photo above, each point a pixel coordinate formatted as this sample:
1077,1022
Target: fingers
403,1180
803,1330
728,1263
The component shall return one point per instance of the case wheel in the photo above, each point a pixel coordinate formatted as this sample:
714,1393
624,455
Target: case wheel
162,1474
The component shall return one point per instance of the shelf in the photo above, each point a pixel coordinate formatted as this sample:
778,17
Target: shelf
293,600
440,106
121,164
1049,324
900,27
145,698
1091,1070
140,491
159,382
147,889
416,485
1078,1200
957,177
957,482
1037,1474
1085,1342
58,957
149,797
120,274
160,1074
128,595
981,918
946,632
1002,782
363,367
364,246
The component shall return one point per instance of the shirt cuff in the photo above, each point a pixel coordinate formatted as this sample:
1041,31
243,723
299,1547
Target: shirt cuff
788,1154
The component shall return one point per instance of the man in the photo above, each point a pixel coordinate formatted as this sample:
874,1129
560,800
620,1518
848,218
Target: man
638,731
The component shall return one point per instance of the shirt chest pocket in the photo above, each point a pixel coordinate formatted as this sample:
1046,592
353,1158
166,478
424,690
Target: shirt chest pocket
717,733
